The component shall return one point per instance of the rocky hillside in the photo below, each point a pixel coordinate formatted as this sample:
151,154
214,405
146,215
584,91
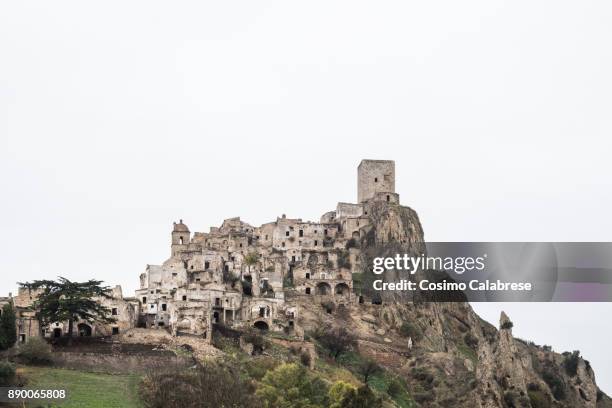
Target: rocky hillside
447,355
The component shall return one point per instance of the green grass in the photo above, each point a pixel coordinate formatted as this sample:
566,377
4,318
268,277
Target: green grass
468,352
84,389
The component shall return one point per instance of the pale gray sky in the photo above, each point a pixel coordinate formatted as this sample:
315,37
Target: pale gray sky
117,118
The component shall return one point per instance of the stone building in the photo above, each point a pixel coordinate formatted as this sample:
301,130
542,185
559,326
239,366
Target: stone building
242,276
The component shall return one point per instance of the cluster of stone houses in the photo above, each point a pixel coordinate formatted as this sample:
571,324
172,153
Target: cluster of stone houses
238,275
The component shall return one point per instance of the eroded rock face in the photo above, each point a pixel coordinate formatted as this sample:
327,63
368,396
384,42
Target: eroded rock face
452,357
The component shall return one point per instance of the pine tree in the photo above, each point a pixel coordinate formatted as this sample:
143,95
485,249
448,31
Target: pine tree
8,330
64,300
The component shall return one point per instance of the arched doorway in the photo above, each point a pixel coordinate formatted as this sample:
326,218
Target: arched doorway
323,288
57,332
216,317
84,330
261,325
342,289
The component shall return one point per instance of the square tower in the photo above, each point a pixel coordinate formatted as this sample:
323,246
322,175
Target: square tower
375,176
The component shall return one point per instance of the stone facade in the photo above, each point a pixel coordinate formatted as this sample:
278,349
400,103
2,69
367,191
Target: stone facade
242,276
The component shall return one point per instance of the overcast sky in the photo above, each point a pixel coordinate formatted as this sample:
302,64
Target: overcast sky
117,118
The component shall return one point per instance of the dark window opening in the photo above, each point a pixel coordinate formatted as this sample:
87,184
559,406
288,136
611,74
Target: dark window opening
316,243
283,244
114,311
307,275
308,291
181,240
184,297
22,337
164,307
173,273
286,233
144,299
160,324
324,232
206,265
301,233
115,331
388,197
262,311
217,302
376,179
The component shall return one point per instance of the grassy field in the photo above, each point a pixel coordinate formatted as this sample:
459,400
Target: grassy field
87,390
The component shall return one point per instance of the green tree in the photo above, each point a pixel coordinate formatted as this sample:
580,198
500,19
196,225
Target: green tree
8,330
336,340
363,398
367,368
339,392
250,259
63,300
292,386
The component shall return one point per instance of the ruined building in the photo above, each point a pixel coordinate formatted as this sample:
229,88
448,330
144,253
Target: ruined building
243,276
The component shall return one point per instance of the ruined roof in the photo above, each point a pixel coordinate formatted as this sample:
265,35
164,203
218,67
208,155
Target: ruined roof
180,227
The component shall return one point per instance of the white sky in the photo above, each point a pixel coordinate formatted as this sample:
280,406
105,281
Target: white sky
117,118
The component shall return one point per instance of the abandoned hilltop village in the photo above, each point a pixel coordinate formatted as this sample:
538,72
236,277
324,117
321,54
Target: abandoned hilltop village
289,276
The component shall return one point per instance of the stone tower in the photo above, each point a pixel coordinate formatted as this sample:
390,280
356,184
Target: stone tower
373,177
180,237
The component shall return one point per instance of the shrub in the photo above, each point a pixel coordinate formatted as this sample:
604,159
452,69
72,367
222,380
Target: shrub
7,373
305,358
351,243
408,329
570,363
256,339
291,385
35,351
538,399
470,340
259,366
340,392
395,388
329,306
555,383
507,325
343,260
212,385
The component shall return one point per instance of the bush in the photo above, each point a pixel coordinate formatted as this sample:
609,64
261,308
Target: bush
259,366
212,385
507,325
305,358
343,259
351,243
256,339
7,373
571,363
470,340
290,385
395,388
555,383
409,330
36,351
538,399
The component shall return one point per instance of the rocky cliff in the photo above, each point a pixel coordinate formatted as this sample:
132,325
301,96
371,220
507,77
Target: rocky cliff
447,354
